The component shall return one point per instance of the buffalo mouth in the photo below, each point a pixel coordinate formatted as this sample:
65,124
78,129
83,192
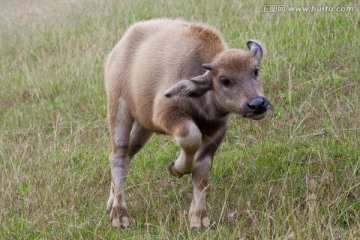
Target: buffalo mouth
256,116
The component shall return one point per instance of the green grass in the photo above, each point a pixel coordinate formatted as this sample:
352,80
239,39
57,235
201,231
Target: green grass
294,175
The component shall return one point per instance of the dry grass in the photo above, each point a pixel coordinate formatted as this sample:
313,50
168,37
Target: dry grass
294,175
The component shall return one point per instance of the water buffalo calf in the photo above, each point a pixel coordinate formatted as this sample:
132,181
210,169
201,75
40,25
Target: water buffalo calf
177,78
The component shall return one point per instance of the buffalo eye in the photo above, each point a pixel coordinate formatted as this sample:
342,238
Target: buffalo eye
225,81
256,72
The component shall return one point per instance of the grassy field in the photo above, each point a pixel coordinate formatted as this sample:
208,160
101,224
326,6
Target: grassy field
294,175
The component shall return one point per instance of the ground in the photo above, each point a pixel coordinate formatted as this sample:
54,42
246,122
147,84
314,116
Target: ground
293,175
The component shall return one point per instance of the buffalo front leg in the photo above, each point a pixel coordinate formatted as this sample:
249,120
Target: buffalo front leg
188,136
201,176
120,128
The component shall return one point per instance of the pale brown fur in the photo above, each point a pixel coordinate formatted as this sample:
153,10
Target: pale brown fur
154,55
164,57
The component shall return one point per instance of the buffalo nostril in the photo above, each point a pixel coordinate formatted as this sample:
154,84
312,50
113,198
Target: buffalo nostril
256,108
257,103
251,106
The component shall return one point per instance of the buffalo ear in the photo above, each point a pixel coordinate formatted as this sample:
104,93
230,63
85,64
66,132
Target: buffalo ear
255,49
208,66
194,87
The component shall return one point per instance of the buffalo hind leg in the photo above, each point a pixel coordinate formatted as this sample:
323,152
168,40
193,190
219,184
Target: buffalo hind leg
138,138
121,124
